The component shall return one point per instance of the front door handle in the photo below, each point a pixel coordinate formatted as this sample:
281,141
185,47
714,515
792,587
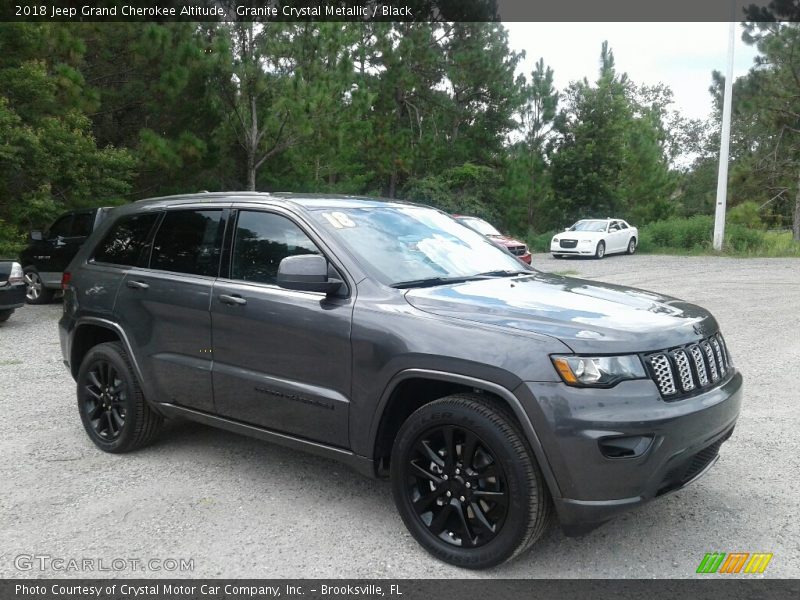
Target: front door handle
232,300
137,285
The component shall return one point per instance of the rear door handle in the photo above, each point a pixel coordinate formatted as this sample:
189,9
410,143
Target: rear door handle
232,300
137,285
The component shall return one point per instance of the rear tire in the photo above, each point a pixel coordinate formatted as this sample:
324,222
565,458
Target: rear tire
114,412
5,314
632,245
466,483
558,256
35,291
600,251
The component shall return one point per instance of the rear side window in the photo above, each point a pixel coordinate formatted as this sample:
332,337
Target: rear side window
262,241
189,241
82,225
60,228
125,242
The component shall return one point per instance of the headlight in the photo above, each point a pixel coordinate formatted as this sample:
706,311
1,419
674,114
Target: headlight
599,371
555,240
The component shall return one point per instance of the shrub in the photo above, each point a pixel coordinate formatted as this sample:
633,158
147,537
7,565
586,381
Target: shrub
746,214
693,233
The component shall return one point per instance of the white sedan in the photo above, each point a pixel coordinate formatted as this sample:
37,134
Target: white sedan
595,237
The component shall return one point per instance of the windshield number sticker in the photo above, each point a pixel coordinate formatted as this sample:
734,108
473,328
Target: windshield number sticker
339,220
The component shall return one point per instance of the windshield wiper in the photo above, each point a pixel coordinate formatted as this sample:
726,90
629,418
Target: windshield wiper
433,281
503,273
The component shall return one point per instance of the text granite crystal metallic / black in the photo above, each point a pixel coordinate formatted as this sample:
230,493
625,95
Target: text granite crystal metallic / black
391,337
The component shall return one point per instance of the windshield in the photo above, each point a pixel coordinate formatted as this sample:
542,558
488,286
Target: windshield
589,226
479,225
410,244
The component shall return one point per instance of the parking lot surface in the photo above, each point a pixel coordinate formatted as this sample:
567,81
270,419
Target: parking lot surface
238,507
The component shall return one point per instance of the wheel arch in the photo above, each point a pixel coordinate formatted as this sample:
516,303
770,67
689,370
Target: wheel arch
399,401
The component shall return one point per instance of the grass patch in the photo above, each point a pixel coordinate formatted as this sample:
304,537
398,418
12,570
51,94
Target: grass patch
8,363
567,273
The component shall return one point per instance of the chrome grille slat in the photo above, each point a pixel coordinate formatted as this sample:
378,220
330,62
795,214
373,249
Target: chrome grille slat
663,373
712,365
699,364
683,371
718,354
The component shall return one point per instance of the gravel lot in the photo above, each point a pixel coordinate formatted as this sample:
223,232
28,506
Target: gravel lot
240,507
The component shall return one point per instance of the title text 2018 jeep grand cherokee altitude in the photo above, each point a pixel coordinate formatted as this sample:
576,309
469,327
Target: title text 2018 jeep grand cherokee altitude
388,336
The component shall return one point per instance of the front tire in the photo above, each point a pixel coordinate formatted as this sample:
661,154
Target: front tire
466,483
632,245
35,291
558,256
113,409
600,251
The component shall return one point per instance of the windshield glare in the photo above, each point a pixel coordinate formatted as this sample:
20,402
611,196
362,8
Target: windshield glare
402,244
589,226
479,225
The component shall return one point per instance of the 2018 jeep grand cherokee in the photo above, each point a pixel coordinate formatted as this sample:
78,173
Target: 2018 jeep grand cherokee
388,336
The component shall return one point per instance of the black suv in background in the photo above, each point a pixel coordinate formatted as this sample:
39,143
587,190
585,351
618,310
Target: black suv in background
388,336
48,253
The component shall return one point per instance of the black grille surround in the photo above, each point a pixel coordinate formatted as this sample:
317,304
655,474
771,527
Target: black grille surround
518,250
690,369
568,243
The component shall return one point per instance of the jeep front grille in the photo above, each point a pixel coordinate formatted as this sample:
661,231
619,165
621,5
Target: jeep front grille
683,371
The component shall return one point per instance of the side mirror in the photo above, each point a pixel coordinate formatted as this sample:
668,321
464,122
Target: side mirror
36,235
566,228
307,273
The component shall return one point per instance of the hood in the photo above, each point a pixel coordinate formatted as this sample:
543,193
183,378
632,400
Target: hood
580,235
588,316
506,241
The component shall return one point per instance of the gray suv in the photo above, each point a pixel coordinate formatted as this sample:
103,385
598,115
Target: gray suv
390,337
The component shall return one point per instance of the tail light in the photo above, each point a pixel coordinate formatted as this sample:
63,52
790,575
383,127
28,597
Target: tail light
16,276
65,277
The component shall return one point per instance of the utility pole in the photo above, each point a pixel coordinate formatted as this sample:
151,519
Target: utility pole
724,147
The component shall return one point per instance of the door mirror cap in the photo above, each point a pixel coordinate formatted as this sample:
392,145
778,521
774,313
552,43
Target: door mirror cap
307,273
36,235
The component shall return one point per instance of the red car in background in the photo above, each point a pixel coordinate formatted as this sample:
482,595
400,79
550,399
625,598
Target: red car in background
517,248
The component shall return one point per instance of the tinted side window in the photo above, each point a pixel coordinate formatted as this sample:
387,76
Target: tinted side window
262,241
82,225
189,241
623,225
126,240
60,228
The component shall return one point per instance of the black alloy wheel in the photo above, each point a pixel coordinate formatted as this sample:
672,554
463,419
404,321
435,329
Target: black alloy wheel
114,412
457,487
466,483
105,399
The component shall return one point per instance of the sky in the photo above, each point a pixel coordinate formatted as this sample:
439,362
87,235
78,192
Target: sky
681,55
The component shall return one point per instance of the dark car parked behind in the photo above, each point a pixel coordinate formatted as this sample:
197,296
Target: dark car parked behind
388,336
49,252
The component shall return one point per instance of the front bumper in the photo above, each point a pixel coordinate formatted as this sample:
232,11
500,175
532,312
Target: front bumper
579,250
12,296
674,443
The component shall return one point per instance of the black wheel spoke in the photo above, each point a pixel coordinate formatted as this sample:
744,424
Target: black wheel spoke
480,518
94,394
116,418
424,473
492,497
440,519
449,446
468,450
423,503
425,449
467,537
95,380
94,411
